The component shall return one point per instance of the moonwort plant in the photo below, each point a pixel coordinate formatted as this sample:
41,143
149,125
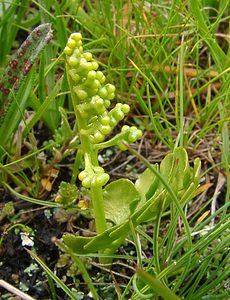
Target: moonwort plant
91,97
124,203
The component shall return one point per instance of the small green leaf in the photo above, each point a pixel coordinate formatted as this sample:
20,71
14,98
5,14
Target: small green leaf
188,194
196,171
85,245
150,211
147,184
175,169
104,240
182,170
166,168
119,197
76,243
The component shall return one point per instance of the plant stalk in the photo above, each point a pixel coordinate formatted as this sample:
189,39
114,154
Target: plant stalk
96,192
98,208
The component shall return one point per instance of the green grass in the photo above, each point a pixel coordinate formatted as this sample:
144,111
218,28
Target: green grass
170,61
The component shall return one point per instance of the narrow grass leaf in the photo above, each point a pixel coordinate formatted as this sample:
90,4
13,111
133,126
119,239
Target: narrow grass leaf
14,113
29,199
77,260
157,286
42,109
9,26
53,276
218,54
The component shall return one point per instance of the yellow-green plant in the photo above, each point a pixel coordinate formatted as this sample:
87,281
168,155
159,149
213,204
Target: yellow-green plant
122,202
91,97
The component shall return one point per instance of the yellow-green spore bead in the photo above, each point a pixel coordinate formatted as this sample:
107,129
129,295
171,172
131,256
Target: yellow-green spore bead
105,120
86,182
100,180
105,178
118,105
125,108
79,44
73,74
134,134
113,122
76,36
132,137
99,108
98,170
92,92
76,52
118,115
91,75
133,128
100,76
82,175
125,128
88,56
83,61
139,133
97,137
111,96
107,103
105,129
68,50
71,43
86,66
82,95
103,93
94,65
110,88
96,84
73,61
97,101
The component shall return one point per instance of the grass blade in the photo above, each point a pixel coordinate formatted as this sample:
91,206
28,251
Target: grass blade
218,54
53,276
157,286
29,199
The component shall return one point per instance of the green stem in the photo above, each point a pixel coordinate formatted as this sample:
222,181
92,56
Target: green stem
110,143
98,208
90,152
91,155
96,193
